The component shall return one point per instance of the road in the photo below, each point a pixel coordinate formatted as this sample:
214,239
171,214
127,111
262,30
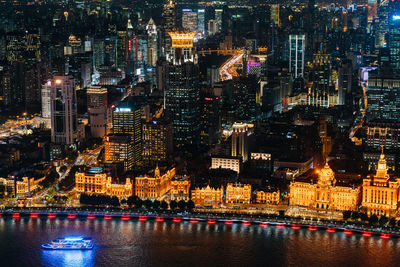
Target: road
227,70
360,119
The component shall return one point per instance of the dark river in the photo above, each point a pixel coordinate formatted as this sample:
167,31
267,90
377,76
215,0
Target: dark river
150,243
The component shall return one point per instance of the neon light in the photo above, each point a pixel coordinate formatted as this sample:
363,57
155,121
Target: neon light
73,238
264,224
34,215
330,229
348,231
396,17
176,219
159,219
51,215
296,226
15,215
71,216
312,228
383,235
123,110
107,217
228,222
91,216
142,218
125,217
129,45
211,221
367,233
193,220
246,223
280,225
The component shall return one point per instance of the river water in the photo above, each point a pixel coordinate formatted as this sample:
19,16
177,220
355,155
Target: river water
150,243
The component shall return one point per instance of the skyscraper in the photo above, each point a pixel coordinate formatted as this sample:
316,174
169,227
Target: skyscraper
296,54
201,21
157,140
169,24
183,90
63,110
189,20
127,121
97,108
240,140
218,19
130,50
152,43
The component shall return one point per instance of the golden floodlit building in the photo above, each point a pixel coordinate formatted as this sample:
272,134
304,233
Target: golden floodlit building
27,186
380,192
154,188
263,197
180,188
96,181
207,196
238,193
325,194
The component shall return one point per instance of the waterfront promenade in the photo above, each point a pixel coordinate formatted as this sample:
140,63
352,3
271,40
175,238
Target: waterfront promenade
263,220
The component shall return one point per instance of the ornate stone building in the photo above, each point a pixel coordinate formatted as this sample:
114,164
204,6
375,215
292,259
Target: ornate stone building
154,188
238,193
380,192
325,194
207,196
96,181
263,197
180,188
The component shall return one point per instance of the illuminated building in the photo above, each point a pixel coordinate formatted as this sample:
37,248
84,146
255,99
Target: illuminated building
64,128
230,163
274,14
201,21
180,188
207,196
240,140
380,191
238,193
181,98
218,19
381,133
152,43
325,139
209,119
393,36
130,50
189,20
324,194
27,186
96,181
322,92
296,54
263,197
127,120
46,100
157,140
118,148
169,24
154,188
97,108
383,98
212,27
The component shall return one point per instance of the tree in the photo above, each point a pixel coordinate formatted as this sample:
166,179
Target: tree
383,220
130,201
156,204
114,201
392,222
148,204
346,215
182,204
364,217
173,205
138,202
190,205
373,219
355,215
164,205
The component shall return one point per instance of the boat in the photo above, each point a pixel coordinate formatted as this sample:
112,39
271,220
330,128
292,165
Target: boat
70,243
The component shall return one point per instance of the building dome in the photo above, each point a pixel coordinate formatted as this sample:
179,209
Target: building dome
326,176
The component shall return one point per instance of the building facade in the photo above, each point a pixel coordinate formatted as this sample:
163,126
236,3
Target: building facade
154,188
380,191
238,193
325,194
207,196
96,181
180,188
263,197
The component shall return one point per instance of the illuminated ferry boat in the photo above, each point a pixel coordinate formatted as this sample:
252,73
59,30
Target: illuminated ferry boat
69,243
